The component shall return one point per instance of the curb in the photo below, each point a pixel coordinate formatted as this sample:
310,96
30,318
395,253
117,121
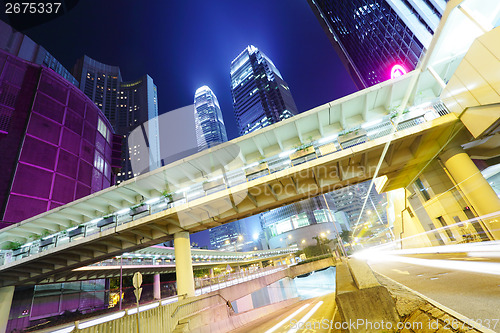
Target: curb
440,306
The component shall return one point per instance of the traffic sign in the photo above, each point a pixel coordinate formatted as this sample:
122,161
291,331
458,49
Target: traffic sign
137,280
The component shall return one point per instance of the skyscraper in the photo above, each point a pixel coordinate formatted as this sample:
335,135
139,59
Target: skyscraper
137,120
377,39
132,109
210,128
260,95
100,82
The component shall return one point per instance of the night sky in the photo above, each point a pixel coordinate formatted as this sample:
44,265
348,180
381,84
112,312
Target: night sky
185,44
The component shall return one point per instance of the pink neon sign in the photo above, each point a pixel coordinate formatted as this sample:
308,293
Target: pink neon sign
397,70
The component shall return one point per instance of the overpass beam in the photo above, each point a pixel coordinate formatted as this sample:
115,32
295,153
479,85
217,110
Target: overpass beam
6,295
475,187
183,264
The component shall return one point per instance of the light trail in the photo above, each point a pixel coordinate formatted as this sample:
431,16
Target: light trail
300,323
278,325
462,265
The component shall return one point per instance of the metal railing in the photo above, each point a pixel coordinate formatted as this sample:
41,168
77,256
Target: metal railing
209,284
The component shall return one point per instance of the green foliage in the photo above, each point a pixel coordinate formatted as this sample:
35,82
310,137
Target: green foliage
201,272
313,251
323,256
167,195
13,245
137,206
345,235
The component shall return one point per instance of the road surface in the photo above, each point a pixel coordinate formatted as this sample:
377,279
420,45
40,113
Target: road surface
475,295
311,315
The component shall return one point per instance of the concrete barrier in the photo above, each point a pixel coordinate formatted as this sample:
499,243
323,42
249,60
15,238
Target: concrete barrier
297,270
364,305
240,290
369,302
419,313
219,319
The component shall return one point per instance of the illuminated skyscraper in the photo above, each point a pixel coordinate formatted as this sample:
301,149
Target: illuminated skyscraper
132,109
377,39
210,128
260,95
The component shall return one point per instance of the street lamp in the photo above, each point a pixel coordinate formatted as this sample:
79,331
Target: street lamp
339,239
238,238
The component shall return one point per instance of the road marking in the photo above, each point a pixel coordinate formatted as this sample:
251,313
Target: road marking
434,278
401,272
305,318
278,325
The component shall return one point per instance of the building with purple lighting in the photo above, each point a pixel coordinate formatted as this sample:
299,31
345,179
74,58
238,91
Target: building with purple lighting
57,146
20,45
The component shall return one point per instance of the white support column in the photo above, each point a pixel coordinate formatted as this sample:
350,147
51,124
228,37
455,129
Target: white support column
211,272
156,287
183,264
6,295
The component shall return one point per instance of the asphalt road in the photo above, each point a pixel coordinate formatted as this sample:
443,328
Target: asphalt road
475,295
312,315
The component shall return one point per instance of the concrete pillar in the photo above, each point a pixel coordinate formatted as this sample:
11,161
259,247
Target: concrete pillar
6,294
260,265
211,272
156,287
407,230
475,187
183,264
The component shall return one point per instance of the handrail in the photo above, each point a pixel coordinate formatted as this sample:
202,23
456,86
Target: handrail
201,298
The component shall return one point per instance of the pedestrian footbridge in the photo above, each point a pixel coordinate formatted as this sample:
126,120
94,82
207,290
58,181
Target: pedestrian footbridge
332,146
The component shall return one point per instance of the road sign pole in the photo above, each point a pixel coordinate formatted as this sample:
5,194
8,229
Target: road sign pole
137,282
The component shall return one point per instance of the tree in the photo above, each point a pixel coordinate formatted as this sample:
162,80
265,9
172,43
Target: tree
345,235
323,244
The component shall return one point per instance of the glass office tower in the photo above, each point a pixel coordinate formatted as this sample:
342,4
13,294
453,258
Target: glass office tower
260,95
132,109
376,37
210,128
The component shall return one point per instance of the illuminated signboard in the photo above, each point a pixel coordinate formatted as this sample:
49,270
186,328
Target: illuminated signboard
397,70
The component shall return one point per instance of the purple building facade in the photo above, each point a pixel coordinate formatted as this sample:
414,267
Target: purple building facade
56,146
